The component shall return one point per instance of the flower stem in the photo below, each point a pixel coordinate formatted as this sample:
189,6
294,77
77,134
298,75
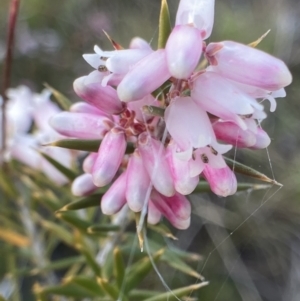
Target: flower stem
13,13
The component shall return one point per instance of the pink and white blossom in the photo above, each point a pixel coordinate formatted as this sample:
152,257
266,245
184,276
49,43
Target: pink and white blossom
171,115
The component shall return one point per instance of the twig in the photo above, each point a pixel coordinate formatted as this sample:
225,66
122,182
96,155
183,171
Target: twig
13,13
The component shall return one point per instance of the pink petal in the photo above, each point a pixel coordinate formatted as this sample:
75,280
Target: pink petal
200,13
139,43
103,98
249,65
222,181
156,164
188,124
183,182
183,50
209,155
262,139
221,98
83,185
154,215
229,132
123,60
146,76
176,209
114,198
81,125
138,182
89,162
82,107
110,156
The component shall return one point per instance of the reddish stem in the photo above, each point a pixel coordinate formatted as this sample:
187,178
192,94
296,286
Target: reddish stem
13,13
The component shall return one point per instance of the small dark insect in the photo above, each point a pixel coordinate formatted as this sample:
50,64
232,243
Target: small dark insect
204,158
102,68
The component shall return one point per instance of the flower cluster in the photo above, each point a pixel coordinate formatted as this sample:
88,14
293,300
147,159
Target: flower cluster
25,111
174,106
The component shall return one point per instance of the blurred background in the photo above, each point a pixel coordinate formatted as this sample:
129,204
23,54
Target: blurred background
249,243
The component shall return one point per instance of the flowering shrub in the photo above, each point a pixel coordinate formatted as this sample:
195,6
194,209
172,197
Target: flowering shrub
28,128
180,108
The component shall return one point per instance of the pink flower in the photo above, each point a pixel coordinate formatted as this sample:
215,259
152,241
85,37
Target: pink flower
154,158
222,181
103,98
146,76
184,183
188,124
137,186
110,155
183,50
114,198
200,13
81,125
83,185
248,65
26,109
222,98
170,113
176,209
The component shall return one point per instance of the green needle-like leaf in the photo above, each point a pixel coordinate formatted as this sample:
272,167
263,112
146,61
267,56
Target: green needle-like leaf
110,289
7,185
87,202
102,228
70,174
249,171
61,99
57,265
68,290
139,270
164,25
177,293
73,219
86,283
119,267
84,145
163,230
203,186
58,230
90,259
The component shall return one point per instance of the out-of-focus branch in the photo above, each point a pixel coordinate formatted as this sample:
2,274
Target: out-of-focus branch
13,13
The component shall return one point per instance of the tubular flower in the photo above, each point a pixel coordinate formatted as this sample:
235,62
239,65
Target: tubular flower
162,119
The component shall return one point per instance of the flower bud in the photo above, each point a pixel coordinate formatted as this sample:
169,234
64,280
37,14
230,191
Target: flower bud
110,156
248,65
222,181
89,162
177,209
183,182
83,185
103,98
155,161
138,182
81,125
83,107
200,13
262,139
114,198
229,132
146,76
183,50
154,215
